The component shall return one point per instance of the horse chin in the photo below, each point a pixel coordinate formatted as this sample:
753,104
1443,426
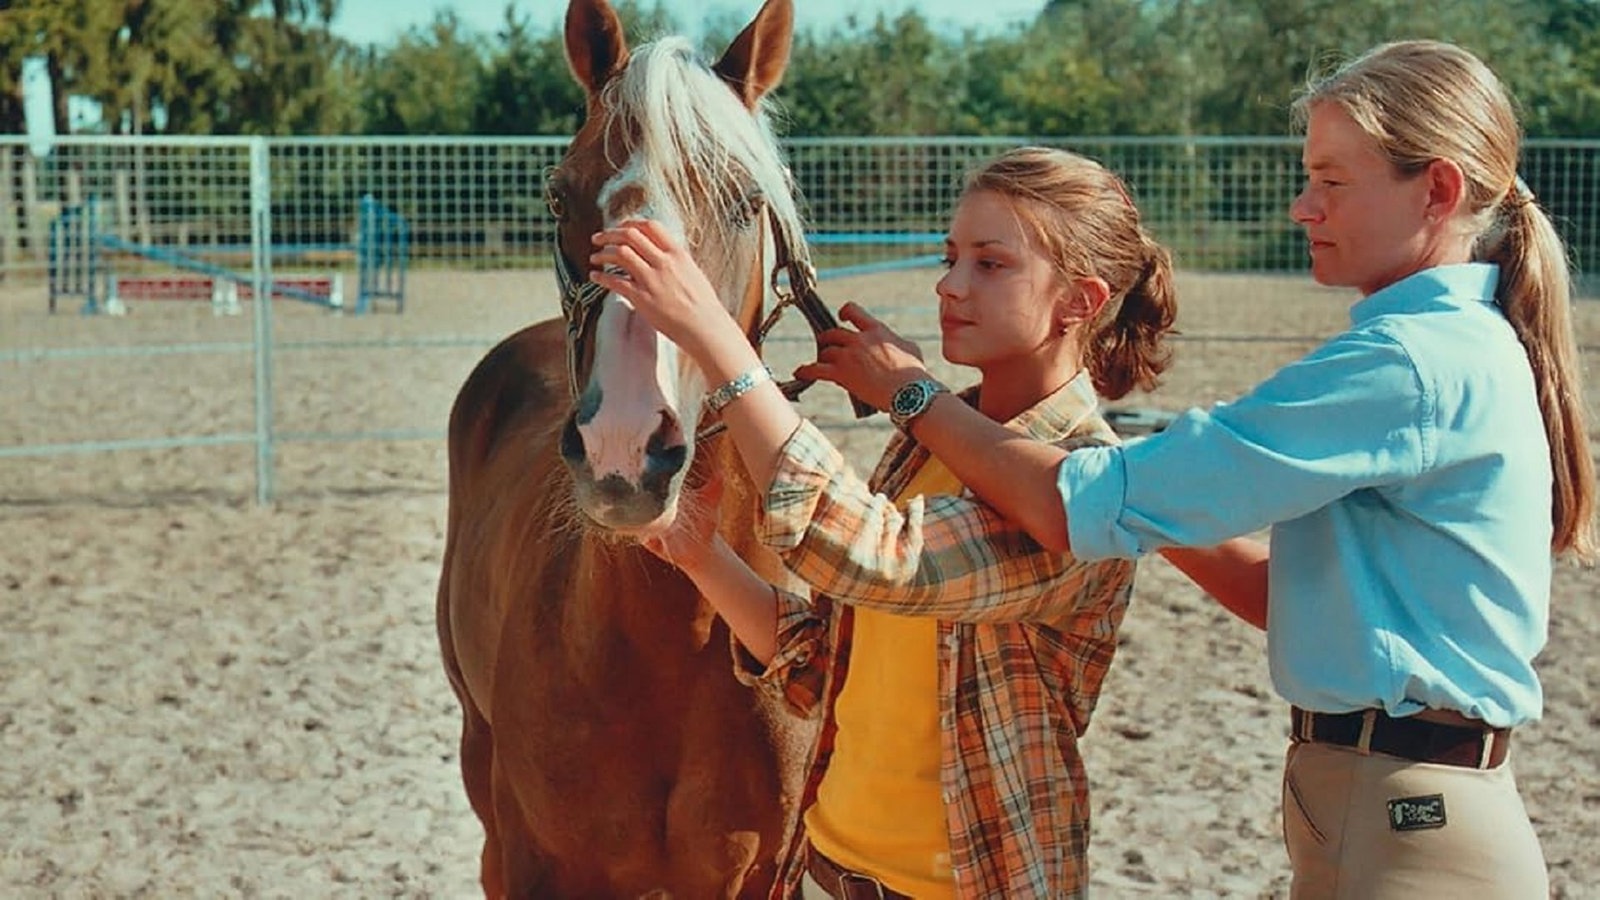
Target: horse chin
626,511
660,526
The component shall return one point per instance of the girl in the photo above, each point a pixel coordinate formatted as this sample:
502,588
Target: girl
955,661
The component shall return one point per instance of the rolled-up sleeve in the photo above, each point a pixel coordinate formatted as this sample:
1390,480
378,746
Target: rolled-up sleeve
949,557
795,674
1353,414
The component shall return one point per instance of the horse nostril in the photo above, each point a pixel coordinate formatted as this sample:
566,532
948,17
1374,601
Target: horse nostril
572,442
666,451
670,431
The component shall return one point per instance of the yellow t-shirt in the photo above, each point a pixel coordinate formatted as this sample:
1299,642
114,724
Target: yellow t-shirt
880,808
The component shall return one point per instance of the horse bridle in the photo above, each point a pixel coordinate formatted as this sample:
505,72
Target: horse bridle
580,302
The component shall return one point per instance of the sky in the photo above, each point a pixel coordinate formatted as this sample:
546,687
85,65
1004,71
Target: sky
381,21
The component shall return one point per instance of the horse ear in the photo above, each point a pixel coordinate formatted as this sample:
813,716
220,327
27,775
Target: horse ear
596,46
756,59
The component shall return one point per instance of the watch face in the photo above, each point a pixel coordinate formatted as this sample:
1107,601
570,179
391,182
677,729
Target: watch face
909,398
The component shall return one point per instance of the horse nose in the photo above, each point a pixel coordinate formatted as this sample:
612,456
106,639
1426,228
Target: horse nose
629,497
664,457
605,454
664,454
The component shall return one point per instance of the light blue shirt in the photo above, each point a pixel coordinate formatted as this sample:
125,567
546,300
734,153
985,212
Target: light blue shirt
1404,471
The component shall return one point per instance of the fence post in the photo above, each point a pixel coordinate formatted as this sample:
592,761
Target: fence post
38,222
10,215
123,203
261,271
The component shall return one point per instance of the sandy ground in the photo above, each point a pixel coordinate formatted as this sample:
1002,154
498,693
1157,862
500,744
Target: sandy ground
203,697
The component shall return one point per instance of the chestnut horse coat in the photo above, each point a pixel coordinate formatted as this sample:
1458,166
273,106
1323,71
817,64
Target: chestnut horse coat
607,747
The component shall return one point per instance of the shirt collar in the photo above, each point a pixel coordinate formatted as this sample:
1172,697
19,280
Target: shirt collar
1456,285
1056,415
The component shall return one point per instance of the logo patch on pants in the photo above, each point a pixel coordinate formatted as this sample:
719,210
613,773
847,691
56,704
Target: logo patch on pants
1416,813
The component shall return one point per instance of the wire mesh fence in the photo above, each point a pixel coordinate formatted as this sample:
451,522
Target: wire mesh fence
340,231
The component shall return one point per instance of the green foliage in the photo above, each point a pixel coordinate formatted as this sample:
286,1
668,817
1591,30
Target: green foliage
1137,67
425,83
185,66
897,74
525,88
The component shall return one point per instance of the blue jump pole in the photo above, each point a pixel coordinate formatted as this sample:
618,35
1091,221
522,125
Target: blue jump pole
184,261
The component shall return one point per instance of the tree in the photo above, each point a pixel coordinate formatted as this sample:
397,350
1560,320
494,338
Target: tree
426,82
69,34
526,87
1039,82
893,77
293,74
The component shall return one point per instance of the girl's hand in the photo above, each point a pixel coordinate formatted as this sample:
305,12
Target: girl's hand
870,360
642,262
688,543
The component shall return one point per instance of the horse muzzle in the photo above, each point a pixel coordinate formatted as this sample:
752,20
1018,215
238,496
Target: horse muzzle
621,486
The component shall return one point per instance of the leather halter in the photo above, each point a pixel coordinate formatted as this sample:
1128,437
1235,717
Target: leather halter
580,303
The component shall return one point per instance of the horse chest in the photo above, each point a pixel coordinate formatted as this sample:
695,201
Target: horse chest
657,760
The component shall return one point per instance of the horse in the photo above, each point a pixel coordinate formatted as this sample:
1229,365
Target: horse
607,745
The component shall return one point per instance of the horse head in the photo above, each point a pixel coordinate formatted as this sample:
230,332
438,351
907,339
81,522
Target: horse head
668,138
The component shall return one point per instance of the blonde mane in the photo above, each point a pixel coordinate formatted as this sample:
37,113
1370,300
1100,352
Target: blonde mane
696,142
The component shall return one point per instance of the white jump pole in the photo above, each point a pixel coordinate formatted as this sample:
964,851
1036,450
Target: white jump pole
261,269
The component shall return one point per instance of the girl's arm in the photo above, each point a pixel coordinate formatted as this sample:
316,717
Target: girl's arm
642,263
780,639
1011,472
743,598
960,561
1234,573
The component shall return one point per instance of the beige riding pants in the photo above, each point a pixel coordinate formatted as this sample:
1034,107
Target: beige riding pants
1373,827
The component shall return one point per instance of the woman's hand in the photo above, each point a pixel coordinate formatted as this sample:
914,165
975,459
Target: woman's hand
870,361
642,262
691,539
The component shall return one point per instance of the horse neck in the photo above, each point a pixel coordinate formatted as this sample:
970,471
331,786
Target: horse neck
637,598
740,514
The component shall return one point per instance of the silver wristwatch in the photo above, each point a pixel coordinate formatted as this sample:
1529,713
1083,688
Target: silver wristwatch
912,399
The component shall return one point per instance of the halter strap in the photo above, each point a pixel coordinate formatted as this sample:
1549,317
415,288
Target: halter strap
802,295
580,303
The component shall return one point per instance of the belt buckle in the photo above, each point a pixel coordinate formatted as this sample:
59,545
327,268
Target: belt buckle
855,885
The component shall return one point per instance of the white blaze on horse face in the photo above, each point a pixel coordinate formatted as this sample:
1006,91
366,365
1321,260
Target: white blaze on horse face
635,369
634,373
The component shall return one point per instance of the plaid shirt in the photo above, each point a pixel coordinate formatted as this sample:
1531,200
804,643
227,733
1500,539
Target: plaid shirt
1025,639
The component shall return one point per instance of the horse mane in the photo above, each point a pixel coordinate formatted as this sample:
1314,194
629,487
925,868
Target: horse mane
697,142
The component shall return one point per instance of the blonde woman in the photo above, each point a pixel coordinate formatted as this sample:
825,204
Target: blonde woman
954,661
1418,471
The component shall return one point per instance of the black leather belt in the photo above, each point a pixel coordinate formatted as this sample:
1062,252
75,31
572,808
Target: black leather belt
843,884
1375,731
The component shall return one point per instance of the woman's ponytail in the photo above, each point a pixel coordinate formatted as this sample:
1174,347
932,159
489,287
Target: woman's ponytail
1131,350
1535,292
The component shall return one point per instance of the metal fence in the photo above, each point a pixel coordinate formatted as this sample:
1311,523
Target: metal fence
181,215
1219,202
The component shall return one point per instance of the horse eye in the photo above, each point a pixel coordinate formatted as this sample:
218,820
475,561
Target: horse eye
558,207
552,196
745,214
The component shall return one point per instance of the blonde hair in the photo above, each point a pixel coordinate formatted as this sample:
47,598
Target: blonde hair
1427,100
1080,215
